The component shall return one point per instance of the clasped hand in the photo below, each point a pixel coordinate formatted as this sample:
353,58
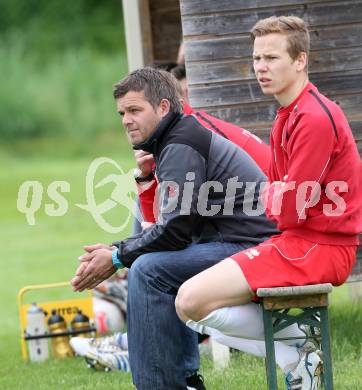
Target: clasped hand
95,267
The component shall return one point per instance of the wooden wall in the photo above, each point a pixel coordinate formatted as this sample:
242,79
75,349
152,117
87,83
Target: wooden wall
219,66
161,30
218,56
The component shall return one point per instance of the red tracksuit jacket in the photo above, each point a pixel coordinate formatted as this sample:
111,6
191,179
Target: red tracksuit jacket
313,147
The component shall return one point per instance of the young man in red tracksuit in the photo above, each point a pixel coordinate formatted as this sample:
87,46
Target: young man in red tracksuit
314,195
254,146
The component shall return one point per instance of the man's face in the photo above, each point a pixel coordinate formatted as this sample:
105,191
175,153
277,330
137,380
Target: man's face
139,118
277,73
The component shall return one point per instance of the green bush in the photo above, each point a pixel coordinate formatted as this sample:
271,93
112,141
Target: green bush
59,61
52,25
72,94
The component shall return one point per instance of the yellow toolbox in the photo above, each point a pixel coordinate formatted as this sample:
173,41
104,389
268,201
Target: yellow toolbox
67,308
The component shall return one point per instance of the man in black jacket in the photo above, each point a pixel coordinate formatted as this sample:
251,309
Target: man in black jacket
208,210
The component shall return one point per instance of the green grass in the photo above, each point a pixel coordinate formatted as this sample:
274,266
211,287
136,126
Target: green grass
47,252
71,95
59,61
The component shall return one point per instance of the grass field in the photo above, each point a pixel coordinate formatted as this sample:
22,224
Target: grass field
47,252
58,64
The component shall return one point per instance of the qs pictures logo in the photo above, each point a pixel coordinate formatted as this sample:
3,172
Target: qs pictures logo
122,193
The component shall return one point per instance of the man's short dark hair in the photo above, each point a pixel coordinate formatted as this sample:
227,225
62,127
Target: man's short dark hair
156,85
179,71
163,65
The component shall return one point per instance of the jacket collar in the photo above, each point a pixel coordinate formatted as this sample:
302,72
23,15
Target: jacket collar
163,126
188,110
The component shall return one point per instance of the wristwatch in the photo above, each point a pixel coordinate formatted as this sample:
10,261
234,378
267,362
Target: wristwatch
143,179
115,259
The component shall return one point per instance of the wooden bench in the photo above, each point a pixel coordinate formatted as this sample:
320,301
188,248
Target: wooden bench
220,353
312,302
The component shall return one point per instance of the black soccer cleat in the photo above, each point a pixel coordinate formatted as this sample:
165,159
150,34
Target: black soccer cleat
195,382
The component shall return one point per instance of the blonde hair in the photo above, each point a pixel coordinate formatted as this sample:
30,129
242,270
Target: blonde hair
292,27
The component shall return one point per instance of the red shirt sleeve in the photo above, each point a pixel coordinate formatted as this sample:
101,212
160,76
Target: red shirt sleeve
147,201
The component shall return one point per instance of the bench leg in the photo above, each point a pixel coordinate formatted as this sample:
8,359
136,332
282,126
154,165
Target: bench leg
326,349
271,369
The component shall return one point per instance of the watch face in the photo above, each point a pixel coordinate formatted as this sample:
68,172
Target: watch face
137,173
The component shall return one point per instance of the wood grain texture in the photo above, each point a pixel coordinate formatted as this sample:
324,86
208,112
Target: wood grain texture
239,22
240,92
289,291
335,60
166,29
190,7
146,31
276,303
239,46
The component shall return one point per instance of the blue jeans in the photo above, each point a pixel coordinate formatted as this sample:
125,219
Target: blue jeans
162,350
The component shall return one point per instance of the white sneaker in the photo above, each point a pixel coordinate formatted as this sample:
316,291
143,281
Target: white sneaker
108,361
312,334
306,375
83,346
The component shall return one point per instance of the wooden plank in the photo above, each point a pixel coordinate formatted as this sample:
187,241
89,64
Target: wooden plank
292,291
351,105
218,25
233,70
165,6
357,269
276,303
334,85
247,114
234,47
191,7
356,127
216,71
245,92
166,29
241,22
325,37
340,12
146,32
239,46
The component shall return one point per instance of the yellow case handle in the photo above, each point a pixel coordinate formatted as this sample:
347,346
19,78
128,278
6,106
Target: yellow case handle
21,306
